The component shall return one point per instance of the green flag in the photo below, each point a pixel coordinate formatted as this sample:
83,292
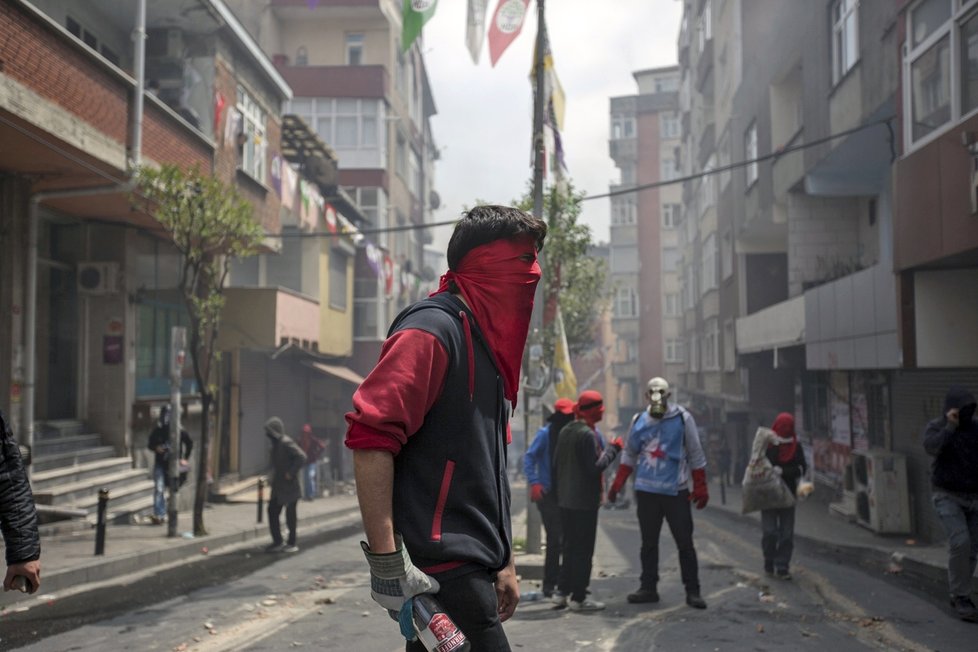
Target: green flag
413,17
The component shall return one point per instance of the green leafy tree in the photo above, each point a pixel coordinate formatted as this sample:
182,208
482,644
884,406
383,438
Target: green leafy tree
570,277
210,224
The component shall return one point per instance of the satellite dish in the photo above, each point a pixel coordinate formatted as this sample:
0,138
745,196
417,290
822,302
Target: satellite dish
434,200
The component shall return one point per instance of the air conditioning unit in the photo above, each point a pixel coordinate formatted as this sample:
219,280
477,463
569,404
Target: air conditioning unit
96,278
882,493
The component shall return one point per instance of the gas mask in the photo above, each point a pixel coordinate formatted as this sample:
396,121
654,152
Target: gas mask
658,393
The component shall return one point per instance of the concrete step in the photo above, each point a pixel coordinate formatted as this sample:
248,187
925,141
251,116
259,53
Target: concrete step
59,428
132,491
70,458
43,480
68,493
126,512
44,447
238,491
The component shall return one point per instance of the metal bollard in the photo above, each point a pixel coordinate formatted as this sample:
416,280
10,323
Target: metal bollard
261,498
103,501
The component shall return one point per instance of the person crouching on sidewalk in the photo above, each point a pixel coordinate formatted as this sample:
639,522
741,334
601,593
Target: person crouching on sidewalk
582,457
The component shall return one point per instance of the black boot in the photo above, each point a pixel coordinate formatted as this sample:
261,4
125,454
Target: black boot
694,600
965,608
643,596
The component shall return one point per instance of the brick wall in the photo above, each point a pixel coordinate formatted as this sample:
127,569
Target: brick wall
166,141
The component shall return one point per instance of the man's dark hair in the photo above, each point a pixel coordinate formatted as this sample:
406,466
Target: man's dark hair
484,224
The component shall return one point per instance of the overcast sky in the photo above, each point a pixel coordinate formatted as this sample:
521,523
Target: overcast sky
484,116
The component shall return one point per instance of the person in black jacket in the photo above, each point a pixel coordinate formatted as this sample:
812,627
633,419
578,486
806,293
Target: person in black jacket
582,457
18,516
953,442
159,443
778,525
287,462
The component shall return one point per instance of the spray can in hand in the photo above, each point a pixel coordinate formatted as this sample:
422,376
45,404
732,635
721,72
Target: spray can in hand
435,629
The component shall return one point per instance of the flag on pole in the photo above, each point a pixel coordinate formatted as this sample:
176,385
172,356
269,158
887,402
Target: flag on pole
554,91
507,22
565,382
475,27
414,15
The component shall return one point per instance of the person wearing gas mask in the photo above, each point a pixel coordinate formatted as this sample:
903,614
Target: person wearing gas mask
664,445
159,443
952,440
582,457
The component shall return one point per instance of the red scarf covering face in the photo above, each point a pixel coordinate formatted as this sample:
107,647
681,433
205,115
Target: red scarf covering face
498,286
784,426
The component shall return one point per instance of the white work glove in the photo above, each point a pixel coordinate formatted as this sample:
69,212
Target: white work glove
394,579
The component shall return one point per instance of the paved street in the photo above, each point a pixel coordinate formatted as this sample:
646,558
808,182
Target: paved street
243,599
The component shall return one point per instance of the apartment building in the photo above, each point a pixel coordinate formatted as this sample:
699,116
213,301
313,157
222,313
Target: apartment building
372,102
644,244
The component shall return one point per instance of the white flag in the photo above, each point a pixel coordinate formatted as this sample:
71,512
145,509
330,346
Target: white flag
475,31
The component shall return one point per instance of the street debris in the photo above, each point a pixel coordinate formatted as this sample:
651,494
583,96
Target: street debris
269,603
896,564
760,628
327,600
764,596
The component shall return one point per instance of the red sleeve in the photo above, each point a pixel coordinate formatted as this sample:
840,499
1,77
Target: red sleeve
392,401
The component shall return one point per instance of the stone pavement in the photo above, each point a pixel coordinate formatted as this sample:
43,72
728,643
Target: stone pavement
68,559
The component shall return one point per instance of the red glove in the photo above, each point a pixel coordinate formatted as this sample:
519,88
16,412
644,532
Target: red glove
536,492
700,494
623,472
617,443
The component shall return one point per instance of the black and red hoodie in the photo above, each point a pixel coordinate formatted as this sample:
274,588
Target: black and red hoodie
436,401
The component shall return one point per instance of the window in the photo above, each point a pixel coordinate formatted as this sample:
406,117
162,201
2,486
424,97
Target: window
302,56
711,360
667,84
626,304
669,171
690,286
154,322
694,353
729,346
367,199
750,153
669,125
708,186
354,49
671,301
252,144
670,260
930,87
337,279
670,215
815,402
623,210
627,174
723,159
708,259
622,126
674,350
845,37
344,123
401,157
969,65
727,257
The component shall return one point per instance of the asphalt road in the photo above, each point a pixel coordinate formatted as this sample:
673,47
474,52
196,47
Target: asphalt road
318,599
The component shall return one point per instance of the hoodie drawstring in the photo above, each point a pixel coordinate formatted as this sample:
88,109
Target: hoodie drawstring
470,352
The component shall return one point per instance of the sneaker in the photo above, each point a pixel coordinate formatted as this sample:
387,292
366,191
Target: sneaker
275,547
965,608
695,601
782,575
290,548
585,605
559,600
643,596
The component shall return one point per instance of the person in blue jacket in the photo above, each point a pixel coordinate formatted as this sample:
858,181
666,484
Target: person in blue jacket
538,465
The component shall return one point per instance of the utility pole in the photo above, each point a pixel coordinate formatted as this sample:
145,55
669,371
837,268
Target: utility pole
536,322
178,353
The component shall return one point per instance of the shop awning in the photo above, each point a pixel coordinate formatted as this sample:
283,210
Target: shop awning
336,371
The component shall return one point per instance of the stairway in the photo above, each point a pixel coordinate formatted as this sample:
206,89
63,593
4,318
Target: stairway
69,468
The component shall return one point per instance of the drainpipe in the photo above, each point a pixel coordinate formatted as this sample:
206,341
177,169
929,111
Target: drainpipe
33,226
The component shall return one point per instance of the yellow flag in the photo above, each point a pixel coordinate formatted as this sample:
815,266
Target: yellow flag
565,382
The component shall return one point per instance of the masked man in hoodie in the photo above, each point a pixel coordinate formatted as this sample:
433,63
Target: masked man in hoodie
952,440
664,445
287,462
429,431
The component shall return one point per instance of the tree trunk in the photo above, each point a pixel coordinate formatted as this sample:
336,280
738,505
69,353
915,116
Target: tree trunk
203,463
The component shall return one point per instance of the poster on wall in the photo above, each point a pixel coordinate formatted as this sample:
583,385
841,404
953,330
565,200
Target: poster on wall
859,413
831,453
112,342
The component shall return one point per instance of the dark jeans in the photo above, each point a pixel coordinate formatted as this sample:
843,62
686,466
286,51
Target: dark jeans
580,529
274,512
652,508
959,516
470,601
777,538
550,514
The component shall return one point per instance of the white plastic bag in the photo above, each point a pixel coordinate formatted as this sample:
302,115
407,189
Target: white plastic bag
763,487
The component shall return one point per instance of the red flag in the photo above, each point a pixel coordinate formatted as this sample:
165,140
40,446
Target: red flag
506,24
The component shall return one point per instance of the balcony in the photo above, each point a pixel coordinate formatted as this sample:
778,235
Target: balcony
336,81
778,326
623,150
265,318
